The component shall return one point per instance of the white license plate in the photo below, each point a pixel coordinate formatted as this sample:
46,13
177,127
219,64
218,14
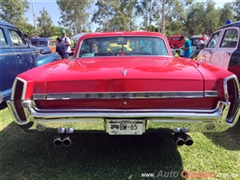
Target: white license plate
125,127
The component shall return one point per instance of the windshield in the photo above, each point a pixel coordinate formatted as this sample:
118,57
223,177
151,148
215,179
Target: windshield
39,43
123,46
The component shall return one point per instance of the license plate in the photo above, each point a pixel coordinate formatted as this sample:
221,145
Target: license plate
121,127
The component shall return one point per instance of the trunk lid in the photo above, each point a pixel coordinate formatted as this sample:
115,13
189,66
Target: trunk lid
124,74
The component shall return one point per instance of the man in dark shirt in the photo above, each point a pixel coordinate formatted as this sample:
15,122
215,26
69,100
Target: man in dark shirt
60,48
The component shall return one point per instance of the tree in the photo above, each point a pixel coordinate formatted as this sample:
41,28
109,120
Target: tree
211,18
26,28
226,13
74,14
196,16
45,23
237,9
12,11
105,12
175,17
146,8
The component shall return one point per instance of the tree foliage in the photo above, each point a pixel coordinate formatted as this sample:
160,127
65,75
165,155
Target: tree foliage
105,13
12,11
74,14
237,9
45,23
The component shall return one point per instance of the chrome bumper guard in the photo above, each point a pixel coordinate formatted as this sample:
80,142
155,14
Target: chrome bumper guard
214,120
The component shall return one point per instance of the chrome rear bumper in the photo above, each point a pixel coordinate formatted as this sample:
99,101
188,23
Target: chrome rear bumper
97,119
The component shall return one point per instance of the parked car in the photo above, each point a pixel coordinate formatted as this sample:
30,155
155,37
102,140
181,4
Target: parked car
45,45
124,83
75,39
194,44
174,41
16,57
223,48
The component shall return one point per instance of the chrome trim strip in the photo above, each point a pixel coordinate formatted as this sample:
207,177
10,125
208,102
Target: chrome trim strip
124,95
126,110
6,92
1,98
211,93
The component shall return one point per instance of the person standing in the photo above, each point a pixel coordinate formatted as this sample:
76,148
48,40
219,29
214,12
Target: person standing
187,46
60,48
27,40
67,43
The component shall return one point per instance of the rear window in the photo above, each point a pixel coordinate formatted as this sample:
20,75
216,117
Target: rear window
123,46
194,41
2,38
39,43
230,39
176,38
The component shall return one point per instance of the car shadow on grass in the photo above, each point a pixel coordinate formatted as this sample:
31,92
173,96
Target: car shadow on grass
3,105
91,156
229,139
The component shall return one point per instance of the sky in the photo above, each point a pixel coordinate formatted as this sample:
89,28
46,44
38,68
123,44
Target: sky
52,8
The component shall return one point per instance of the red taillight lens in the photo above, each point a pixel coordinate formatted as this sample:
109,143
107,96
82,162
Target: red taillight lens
18,91
233,97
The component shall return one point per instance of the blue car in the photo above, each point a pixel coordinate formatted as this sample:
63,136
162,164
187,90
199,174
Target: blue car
45,45
16,57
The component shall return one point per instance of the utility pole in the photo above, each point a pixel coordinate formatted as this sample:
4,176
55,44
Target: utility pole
34,17
163,16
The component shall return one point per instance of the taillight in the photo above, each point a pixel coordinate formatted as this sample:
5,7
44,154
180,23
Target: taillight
17,97
232,96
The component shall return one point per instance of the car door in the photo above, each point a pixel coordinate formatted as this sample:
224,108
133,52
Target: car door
52,46
228,44
23,52
205,54
8,65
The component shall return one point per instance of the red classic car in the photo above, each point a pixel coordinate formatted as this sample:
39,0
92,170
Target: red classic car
124,83
174,41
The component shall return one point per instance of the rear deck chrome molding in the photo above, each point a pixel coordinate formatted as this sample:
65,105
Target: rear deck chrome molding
125,95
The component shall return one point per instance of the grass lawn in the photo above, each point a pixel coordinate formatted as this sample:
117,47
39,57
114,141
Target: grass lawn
102,157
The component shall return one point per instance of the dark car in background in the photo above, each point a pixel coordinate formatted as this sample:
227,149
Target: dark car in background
45,45
16,57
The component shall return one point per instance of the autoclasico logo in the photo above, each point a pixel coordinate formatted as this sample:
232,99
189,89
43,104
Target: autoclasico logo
186,174
189,174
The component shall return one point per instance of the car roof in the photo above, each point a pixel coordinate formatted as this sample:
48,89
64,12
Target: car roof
127,33
44,39
3,23
175,35
196,36
233,24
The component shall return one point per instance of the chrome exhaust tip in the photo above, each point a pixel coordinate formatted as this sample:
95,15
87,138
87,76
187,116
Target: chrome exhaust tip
57,141
178,139
67,141
188,140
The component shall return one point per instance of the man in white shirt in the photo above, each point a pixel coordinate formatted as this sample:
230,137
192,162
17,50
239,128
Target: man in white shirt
66,41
